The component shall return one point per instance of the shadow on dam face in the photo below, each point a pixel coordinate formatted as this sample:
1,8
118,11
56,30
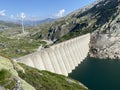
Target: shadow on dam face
98,74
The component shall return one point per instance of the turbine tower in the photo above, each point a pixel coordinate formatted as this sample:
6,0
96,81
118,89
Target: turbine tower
22,16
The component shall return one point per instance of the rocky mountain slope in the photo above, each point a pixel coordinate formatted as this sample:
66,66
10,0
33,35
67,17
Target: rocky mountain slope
14,76
105,41
79,22
101,18
88,19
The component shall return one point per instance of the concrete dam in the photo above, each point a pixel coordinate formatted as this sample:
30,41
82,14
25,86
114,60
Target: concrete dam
60,58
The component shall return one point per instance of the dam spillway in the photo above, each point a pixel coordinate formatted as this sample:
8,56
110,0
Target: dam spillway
61,58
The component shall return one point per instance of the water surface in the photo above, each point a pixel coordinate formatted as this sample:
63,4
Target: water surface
98,74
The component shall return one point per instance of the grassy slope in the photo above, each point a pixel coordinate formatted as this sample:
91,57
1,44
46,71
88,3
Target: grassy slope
44,80
16,48
40,80
8,75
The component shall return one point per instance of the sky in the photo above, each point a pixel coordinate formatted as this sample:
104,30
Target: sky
39,9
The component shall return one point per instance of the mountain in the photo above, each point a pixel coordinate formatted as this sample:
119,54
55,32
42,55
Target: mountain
88,19
101,19
4,25
98,15
47,20
35,22
16,76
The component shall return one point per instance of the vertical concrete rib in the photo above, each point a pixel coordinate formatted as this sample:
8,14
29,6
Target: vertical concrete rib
71,53
26,60
86,47
40,63
79,50
74,53
46,61
62,53
69,56
54,61
83,50
61,62
37,61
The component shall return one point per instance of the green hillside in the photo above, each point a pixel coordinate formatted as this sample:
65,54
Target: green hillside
33,79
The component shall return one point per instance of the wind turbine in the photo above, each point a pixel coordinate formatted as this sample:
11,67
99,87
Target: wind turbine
22,16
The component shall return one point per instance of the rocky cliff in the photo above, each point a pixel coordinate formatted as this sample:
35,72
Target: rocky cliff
105,40
105,46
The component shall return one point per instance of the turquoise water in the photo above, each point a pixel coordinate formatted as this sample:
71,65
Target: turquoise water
98,74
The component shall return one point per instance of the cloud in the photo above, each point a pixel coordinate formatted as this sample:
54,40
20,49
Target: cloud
60,13
2,13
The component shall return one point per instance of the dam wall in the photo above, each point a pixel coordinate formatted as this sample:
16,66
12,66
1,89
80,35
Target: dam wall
61,58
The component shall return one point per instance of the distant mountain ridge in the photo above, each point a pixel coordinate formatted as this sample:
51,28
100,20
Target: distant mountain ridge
7,25
34,22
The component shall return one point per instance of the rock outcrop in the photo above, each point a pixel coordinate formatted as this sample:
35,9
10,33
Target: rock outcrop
105,40
105,46
9,77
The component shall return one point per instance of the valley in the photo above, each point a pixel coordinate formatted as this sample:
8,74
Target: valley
58,41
